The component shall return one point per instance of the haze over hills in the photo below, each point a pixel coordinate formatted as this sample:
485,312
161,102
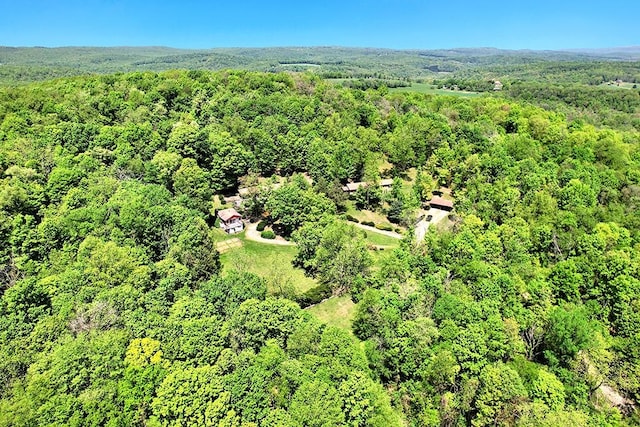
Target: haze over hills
621,52
37,63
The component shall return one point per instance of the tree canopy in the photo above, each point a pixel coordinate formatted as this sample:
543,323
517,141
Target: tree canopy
116,307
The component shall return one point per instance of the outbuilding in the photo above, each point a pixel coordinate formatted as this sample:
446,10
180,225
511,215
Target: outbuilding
352,187
440,203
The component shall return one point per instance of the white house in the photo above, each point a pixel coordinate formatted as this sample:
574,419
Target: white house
230,220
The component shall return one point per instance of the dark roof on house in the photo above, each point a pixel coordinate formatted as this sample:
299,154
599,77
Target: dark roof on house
227,214
439,201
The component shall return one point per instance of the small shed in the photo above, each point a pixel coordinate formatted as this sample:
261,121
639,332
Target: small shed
440,203
230,220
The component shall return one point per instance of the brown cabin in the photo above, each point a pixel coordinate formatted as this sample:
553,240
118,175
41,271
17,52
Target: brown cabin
230,220
440,203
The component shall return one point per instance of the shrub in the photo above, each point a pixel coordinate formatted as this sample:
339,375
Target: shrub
314,295
261,225
279,229
397,230
268,234
384,227
369,223
352,218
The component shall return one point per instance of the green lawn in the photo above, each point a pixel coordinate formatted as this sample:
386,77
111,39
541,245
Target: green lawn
221,236
365,215
428,88
270,262
336,311
379,257
380,239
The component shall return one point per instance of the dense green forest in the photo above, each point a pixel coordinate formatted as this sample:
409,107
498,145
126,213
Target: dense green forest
117,309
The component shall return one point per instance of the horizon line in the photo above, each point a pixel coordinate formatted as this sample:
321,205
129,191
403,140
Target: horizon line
525,49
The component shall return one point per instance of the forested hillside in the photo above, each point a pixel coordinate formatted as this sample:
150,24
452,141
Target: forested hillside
117,309
22,64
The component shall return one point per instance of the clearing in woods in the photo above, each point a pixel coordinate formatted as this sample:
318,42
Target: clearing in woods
428,88
335,311
272,262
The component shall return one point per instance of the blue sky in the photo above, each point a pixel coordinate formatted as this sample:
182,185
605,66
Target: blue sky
380,23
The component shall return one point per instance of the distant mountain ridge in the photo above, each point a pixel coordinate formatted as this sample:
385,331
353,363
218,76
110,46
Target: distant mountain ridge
38,63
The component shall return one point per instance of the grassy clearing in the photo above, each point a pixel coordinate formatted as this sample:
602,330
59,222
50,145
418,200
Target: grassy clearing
621,85
221,236
384,167
269,261
300,64
365,215
376,218
431,89
227,245
380,239
407,182
411,175
379,258
336,311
